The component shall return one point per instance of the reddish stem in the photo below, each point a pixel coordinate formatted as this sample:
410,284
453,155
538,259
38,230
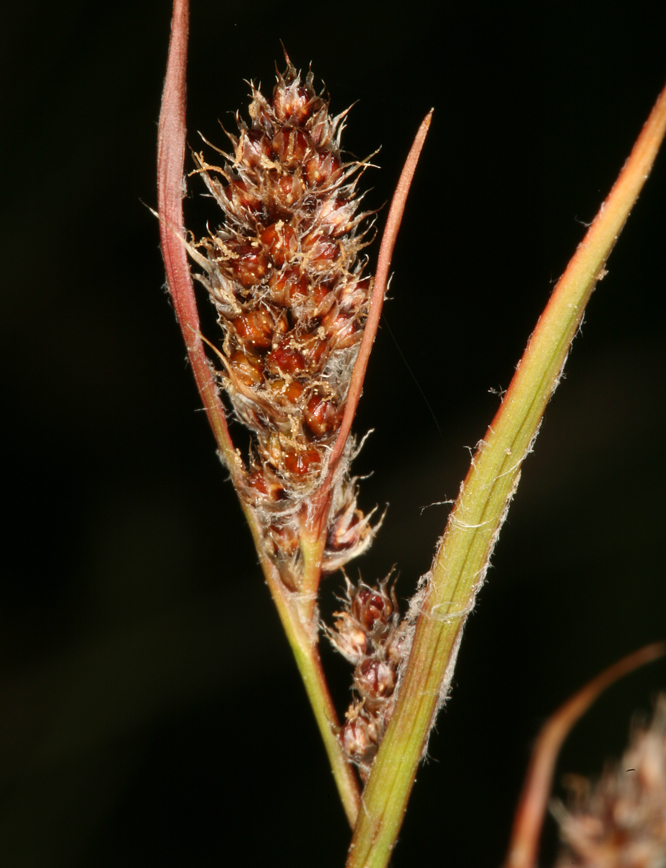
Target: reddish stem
378,292
170,163
313,521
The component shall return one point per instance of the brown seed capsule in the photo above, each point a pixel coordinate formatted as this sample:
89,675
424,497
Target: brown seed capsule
322,169
321,252
372,608
286,190
321,416
292,103
319,292
252,147
341,329
290,146
314,350
287,285
255,329
269,489
320,301
280,239
345,530
360,740
249,266
290,390
325,255
286,359
248,371
300,463
355,294
375,679
335,216
298,289
242,196
350,640
256,480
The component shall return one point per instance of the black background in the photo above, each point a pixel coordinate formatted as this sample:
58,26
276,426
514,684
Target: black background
150,713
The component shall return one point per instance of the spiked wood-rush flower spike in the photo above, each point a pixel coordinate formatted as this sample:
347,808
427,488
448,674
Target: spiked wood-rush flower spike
298,317
284,274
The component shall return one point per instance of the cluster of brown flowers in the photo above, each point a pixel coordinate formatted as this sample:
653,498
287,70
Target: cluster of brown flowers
368,633
284,274
621,821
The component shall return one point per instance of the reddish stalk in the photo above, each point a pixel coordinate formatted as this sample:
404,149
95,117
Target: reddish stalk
313,523
170,169
538,781
378,292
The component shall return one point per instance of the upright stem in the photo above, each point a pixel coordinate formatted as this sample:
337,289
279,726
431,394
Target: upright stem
389,237
314,525
302,637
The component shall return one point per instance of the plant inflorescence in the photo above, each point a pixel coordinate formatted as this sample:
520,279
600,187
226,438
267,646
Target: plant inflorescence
286,279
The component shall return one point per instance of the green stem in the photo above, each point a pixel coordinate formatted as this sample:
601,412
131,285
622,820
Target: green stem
473,526
313,542
302,637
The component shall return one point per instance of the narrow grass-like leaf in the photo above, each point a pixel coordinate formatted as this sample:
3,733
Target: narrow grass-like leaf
473,526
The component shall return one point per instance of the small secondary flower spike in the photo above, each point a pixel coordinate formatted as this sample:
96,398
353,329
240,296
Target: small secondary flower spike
369,634
531,809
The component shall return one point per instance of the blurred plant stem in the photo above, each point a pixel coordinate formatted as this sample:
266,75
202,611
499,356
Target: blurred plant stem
536,789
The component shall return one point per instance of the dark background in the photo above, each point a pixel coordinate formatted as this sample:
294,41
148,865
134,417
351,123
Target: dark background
150,714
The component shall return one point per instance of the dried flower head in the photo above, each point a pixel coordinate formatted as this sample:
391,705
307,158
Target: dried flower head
285,276
620,822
